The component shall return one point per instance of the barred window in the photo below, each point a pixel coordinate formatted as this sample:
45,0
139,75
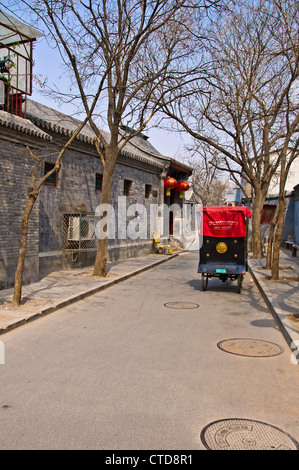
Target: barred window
78,232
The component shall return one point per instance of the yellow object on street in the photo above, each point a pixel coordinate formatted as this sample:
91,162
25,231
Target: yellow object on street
160,247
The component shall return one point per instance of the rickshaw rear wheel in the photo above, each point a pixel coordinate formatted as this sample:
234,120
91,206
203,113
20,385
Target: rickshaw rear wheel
204,281
240,282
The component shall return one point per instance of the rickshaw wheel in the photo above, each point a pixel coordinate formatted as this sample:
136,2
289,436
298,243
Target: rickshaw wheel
204,281
240,282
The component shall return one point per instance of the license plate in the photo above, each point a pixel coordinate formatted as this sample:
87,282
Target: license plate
220,270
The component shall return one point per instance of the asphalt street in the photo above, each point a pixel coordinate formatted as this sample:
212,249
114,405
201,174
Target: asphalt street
124,369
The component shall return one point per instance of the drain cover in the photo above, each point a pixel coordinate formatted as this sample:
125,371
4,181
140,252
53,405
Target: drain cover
181,305
250,347
245,434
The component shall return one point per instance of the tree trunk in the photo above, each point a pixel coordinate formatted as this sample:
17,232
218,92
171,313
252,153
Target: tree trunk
102,249
270,246
278,238
271,239
256,242
17,295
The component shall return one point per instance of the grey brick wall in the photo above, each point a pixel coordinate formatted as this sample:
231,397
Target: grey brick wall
15,169
75,193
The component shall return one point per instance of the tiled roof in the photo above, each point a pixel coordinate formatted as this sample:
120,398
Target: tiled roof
41,118
55,121
50,119
22,125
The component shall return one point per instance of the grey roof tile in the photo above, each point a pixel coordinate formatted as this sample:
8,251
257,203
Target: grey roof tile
22,125
56,121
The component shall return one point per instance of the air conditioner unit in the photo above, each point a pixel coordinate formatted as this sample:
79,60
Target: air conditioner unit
80,229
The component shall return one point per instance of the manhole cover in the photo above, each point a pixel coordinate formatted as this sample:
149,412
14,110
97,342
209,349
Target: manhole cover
250,347
246,434
181,305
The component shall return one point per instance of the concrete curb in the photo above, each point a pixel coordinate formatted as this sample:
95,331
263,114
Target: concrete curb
28,318
280,317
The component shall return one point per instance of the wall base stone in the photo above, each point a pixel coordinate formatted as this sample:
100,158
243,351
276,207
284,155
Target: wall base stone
58,260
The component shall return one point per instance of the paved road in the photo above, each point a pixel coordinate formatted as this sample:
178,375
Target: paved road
120,370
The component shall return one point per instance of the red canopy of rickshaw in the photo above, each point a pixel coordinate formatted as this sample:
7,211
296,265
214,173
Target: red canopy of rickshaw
225,221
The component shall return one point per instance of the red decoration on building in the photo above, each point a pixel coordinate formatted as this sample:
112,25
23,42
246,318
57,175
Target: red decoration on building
169,183
181,187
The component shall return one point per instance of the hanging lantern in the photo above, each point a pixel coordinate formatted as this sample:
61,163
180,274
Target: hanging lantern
169,183
181,187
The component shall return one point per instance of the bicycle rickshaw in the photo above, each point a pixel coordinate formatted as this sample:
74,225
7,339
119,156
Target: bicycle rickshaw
223,252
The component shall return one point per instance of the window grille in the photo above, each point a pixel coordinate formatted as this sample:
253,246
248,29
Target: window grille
78,232
10,99
15,75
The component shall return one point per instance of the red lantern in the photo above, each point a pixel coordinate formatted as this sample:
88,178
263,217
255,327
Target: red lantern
169,183
181,187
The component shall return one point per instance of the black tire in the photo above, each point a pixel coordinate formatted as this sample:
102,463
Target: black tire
204,281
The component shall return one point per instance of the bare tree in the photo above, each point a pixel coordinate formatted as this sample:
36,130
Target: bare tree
36,181
287,157
35,185
246,113
209,189
143,48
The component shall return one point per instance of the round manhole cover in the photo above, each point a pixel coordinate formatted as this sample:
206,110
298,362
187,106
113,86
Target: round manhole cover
245,434
250,347
181,305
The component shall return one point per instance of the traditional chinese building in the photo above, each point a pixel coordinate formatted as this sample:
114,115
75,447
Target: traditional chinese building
62,228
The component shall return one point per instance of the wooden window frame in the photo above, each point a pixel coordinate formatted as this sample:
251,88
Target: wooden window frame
99,179
127,187
147,191
47,167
